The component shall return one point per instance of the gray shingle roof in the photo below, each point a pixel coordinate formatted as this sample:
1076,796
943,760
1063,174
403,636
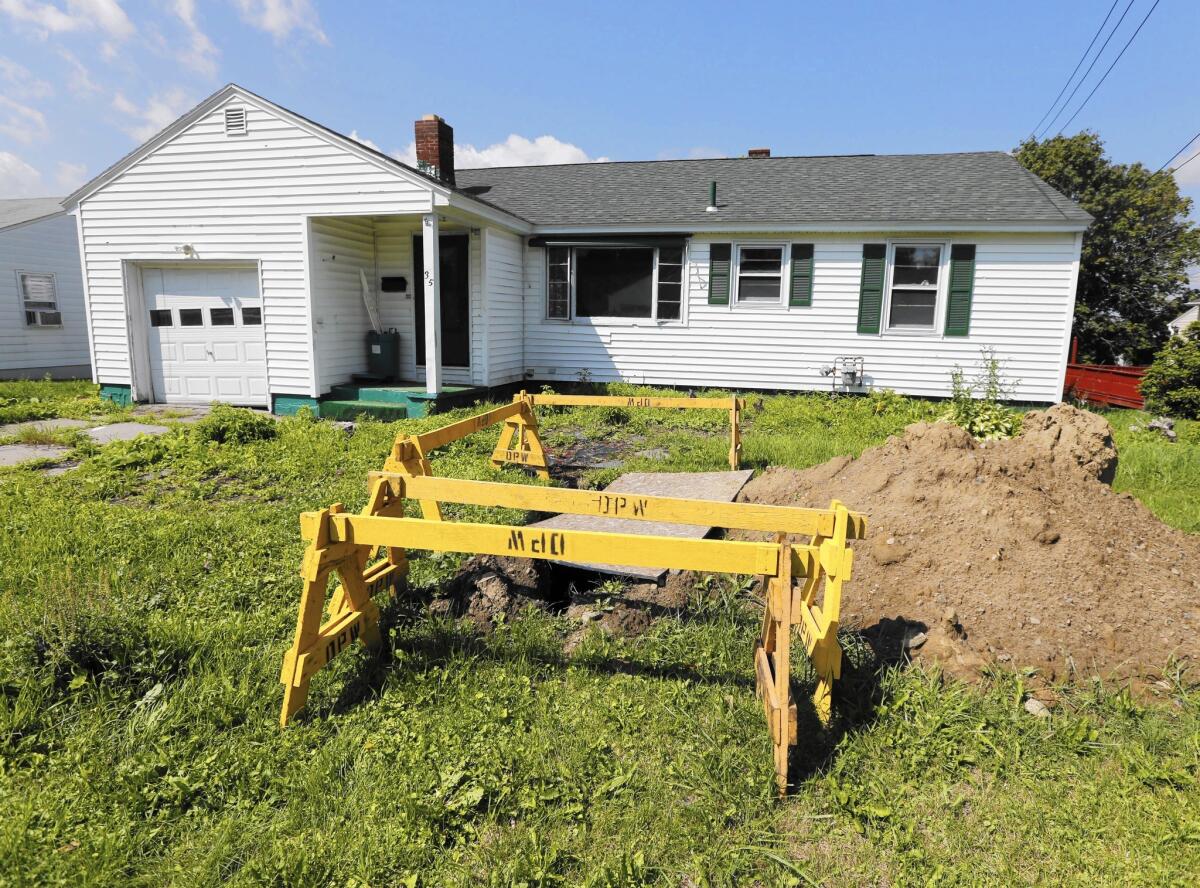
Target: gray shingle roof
25,209
968,188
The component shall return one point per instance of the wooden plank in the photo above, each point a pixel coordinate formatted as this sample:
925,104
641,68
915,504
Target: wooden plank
632,401
616,504
717,556
446,434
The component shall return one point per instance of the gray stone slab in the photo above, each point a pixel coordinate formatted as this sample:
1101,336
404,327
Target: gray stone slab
124,431
14,454
61,469
716,486
43,425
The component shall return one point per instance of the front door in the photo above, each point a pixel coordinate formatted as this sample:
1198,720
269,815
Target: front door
456,300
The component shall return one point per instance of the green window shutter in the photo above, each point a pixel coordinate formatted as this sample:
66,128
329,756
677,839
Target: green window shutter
962,285
801,289
870,294
718,274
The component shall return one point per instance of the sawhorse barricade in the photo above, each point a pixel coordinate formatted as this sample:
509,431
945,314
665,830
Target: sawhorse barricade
802,583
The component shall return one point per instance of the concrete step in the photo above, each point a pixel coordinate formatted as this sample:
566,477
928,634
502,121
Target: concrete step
387,411
378,394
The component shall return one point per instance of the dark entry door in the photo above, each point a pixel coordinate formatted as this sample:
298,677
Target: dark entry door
456,299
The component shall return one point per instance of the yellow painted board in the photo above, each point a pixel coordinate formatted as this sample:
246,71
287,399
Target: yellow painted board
446,434
672,510
631,401
717,556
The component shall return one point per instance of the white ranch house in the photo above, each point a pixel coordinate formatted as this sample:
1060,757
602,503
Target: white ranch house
43,327
233,257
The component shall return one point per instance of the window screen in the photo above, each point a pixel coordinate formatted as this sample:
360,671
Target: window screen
915,271
614,283
760,274
39,298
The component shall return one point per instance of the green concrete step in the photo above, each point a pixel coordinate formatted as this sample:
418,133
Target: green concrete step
388,411
377,394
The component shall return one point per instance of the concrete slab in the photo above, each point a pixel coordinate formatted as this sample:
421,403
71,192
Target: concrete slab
43,425
124,431
715,486
61,469
15,454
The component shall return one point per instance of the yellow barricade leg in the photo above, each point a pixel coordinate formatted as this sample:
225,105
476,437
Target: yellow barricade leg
773,666
519,442
408,458
735,434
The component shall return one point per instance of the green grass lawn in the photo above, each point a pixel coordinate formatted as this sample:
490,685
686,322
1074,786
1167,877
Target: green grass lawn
147,598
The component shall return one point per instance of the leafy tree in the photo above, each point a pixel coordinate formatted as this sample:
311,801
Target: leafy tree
1132,272
1172,383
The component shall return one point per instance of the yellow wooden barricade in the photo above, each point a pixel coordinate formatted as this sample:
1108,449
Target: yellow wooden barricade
346,545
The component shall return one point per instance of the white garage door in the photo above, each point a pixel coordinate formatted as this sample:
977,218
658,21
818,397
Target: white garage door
206,335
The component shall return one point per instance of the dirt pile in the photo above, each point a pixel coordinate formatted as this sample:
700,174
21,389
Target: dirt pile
1014,551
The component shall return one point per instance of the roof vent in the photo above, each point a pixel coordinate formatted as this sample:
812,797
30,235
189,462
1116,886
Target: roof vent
759,152
235,121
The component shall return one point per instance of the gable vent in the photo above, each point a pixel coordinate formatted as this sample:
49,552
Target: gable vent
235,121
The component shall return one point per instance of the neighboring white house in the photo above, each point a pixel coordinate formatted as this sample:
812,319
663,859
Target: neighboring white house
43,328
1190,316
225,260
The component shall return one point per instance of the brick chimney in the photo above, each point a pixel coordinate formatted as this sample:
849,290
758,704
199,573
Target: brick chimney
435,147
759,152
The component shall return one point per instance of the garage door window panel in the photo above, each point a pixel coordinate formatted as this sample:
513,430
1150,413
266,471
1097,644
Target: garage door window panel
220,317
191,317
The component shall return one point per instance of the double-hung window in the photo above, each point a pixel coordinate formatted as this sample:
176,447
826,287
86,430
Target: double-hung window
614,282
914,287
759,274
39,299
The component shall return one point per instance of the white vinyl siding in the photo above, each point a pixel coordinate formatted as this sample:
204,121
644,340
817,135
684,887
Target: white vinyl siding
340,248
1022,307
48,246
505,308
243,198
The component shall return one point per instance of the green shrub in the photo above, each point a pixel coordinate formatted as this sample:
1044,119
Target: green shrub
235,425
1172,383
975,406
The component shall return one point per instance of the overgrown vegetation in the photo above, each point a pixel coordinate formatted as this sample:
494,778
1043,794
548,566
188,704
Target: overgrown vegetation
1171,385
976,405
148,595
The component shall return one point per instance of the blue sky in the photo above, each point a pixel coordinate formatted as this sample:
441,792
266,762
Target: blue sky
84,81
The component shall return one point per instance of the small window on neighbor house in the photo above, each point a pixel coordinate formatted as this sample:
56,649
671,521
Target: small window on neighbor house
558,275
160,317
39,298
760,275
251,316
220,317
235,121
191,317
912,302
670,283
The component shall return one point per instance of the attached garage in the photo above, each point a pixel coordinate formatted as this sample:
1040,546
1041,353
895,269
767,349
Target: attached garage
205,335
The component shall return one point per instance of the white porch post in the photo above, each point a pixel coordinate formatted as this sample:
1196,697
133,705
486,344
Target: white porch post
432,288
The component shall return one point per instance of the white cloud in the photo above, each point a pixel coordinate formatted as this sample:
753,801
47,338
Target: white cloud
78,15
364,140
17,178
280,18
699,152
1189,176
201,55
80,80
21,82
513,151
70,176
159,111
21,123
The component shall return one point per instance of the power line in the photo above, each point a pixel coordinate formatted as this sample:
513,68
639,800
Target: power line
1078,64
1110,67
1095,59
1185,163
1177,153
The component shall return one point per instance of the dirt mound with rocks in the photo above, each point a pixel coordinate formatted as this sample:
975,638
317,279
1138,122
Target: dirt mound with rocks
1015,551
